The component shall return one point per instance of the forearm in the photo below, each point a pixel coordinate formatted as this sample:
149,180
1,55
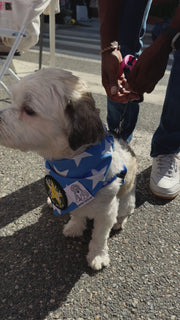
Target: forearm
109,18
152,63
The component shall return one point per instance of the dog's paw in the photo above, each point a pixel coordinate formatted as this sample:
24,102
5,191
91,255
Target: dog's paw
72,229
97,262
120,224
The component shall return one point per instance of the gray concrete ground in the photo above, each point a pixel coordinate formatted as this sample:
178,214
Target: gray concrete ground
45,275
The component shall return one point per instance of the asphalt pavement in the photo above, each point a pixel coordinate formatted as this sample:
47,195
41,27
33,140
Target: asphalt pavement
44,276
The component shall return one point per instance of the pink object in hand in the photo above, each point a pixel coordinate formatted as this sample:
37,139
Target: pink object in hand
127,64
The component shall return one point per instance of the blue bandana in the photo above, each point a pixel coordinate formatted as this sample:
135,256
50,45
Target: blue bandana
72,183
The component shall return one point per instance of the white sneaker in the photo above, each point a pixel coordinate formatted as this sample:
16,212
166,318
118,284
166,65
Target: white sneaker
165,177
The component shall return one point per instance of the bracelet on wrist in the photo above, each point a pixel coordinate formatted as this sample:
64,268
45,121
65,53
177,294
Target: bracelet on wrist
114,45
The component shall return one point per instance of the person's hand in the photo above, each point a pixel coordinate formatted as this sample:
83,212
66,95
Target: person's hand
150,67
115,84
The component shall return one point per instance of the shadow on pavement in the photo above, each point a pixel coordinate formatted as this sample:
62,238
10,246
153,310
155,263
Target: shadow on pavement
22,201
39,265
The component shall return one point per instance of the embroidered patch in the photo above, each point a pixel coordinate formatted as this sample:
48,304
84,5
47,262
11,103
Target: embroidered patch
56,192
78,193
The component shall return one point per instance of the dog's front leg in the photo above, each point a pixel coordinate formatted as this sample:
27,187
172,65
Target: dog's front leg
98,256
75,226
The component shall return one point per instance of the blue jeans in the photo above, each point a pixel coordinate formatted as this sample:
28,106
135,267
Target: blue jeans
131,31
166,138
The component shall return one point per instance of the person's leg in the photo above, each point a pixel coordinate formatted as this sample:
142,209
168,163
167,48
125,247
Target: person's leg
165,180
122,118
131,30
166,139
132,25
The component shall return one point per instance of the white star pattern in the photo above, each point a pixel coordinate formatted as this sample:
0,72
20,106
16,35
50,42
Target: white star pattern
79,157
66,172
61,173
97,176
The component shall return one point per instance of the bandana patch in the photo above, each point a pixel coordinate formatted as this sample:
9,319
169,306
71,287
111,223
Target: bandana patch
56,193
72,183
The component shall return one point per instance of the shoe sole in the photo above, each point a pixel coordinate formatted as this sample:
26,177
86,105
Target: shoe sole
163,196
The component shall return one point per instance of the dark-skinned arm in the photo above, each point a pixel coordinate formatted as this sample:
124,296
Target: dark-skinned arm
152,63
109,18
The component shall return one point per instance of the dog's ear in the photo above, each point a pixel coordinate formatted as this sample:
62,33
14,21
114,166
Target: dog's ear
86,125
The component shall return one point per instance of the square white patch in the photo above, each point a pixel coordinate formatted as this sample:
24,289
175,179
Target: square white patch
78,193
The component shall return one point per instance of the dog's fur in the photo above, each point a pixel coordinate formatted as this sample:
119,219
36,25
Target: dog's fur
54,114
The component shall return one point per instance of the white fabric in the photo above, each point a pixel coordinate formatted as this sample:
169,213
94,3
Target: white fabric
25,11
57,8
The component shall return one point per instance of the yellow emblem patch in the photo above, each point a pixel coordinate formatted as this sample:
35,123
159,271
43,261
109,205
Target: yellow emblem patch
55,192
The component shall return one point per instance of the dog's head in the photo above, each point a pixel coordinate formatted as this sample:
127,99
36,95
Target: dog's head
52,113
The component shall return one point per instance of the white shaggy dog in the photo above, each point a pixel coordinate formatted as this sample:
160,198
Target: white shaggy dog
54,114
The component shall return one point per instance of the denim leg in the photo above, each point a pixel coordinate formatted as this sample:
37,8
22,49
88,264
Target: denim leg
166,139
132,25
116,113
131,30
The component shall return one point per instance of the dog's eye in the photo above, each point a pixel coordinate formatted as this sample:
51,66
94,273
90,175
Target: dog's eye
28,110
